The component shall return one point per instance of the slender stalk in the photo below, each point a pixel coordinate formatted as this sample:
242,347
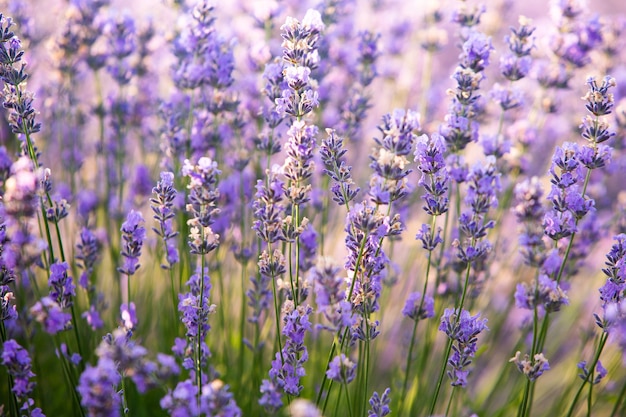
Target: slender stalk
199,341
13,405
276,311
405,384
348,401
521,411
449,406
458,310
331,355
589,377
125,409
414,332
620,399
589,398
333,347
440,378
365,390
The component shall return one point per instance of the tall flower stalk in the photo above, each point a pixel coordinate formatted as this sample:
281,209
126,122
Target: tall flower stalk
572,165
429,155
202,208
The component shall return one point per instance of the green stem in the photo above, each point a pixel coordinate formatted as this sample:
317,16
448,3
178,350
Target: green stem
412,342
450,401
589,377
14,404
124,397
276,311
331,355
458,310
440,378
365,390
348,401
521,411
405,384
619,400
199,334
589,398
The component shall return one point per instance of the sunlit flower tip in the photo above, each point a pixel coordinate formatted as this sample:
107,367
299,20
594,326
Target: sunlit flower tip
341,369
418,309
313,21
532,369
303,408
128,315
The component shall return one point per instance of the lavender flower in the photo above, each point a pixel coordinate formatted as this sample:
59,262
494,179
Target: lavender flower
429,155
545,293
50,314
15,97
429,239
62,289
463,331
128,358
288,365
354,109
202,199
87,253
332,152
484,182
268,209
416,309
516,64
259,296
584,372
460,127
341,369
468,17
212,67
612,292
300,54
133,235
20,190
121,37
98,389
18,364
162,206
389,159
529,212
532,369
298,166
216,400
181,402
365,227
8,311
559,221
195,309
380,405
599,103
331,296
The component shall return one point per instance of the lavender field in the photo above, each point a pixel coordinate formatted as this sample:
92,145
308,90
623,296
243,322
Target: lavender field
313,208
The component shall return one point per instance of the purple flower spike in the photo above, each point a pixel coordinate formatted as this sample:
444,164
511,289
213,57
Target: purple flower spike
18,364
380,405
133,235
98,389
532,369
416,309
464,331
341,369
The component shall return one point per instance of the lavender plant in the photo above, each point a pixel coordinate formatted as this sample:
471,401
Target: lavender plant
275,277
